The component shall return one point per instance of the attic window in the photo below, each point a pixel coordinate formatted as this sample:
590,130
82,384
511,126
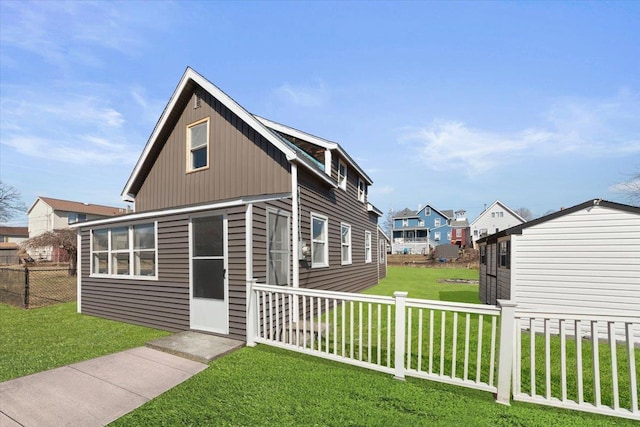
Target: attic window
197,101
198,145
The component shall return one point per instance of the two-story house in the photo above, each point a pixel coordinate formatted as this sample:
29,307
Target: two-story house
460,230
420,231
49,214
223,197
493,219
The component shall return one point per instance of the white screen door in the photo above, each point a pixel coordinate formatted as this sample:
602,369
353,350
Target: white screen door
208,274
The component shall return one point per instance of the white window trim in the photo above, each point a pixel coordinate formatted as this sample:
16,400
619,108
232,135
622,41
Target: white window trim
342,180
362,190
437,236
130,250
288,216
382,248
367,247
437,222
347,244
326,240
405,222
188,145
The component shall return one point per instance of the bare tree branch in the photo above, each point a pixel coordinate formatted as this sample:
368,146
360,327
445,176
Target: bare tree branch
10,202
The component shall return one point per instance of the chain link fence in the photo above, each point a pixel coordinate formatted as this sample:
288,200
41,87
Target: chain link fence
37,287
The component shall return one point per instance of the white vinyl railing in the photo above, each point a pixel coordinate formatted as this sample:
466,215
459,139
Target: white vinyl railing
583,362
442,341
471,345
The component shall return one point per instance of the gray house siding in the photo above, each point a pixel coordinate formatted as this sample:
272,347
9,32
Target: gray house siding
164,303
241,162
339,206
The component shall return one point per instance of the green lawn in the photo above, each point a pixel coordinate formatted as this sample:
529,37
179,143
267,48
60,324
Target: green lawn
39,339
268,386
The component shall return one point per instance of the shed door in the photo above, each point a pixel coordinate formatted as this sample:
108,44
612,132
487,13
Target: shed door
208,274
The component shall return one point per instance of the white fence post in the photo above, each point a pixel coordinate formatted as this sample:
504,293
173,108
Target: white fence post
401,301
251,314
505,358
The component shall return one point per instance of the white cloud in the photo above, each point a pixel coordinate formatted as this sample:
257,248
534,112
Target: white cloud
69,33
69,128
311,95
609,127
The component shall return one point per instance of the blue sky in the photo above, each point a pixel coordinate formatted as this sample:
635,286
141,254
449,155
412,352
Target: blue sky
454,104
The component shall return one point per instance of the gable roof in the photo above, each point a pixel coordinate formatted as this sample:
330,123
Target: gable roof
447,214
14,231
505,207
517,229
78,207
404,213
188,82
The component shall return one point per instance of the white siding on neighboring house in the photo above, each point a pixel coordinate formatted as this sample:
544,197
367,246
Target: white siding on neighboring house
585,261
495,218
40,219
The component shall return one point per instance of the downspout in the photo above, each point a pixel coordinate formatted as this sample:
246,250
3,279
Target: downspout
295,227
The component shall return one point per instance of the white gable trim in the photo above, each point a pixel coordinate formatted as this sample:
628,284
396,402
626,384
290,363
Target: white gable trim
226,100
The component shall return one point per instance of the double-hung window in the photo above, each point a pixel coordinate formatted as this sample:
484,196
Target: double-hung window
345,236
342,175
362,190
437,236
383,250
198,145
367,246
436,222
124,251
144,250
319,241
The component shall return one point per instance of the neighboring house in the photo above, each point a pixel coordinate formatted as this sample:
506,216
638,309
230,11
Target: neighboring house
493,219
13,234
48,214
223,197
582,259
420,231
460,231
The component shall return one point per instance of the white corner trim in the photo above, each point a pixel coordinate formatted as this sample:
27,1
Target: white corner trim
295,228
79,270
248,223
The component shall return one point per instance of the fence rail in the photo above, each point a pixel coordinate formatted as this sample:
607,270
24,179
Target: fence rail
578,362
387,334
37,287
470,345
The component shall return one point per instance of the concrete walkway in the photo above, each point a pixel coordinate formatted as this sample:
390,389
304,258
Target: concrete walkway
98,391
